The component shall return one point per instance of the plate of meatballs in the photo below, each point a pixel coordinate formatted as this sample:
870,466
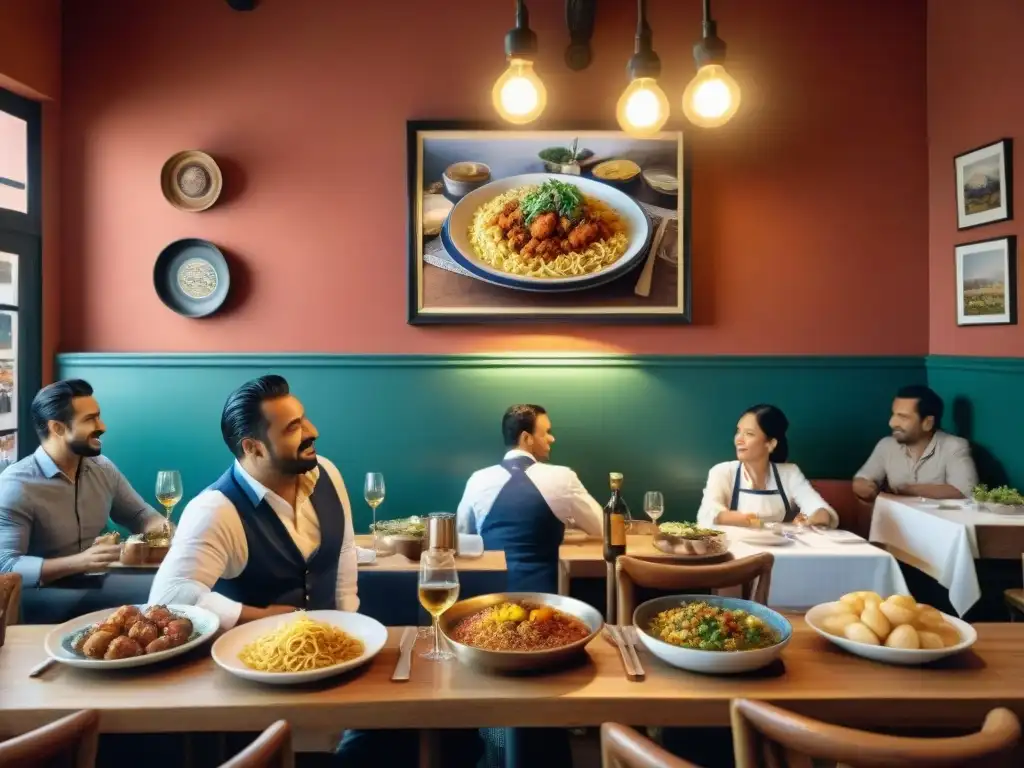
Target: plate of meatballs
131,636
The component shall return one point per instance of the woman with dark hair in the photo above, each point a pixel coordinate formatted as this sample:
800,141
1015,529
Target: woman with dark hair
761,486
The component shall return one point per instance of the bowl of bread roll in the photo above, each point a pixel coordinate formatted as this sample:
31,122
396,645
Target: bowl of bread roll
893,630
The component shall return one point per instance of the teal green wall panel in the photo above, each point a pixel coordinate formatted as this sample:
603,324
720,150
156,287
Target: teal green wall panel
427,422
984,403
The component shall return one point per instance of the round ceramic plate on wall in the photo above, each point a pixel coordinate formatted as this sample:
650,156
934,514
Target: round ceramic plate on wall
191,277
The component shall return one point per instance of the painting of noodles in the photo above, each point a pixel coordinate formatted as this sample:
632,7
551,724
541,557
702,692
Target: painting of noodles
547,225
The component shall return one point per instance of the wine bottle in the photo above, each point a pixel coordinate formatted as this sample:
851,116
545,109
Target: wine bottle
615,515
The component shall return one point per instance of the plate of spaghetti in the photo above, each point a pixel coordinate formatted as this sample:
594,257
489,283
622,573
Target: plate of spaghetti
299,647
547,232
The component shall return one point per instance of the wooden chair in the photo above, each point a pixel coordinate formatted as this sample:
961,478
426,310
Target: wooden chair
1014,602
70,741
622,747
10,601
765,736
271,749
752,574
854,514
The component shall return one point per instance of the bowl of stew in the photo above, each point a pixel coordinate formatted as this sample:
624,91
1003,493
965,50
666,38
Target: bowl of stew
711,634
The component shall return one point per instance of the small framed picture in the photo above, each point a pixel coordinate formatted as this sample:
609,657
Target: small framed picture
984,185
986,282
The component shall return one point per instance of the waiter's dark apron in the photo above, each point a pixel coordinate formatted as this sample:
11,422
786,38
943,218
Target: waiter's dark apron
521,523
736,491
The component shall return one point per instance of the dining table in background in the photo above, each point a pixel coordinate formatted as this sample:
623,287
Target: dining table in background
944,543
192,695
813,568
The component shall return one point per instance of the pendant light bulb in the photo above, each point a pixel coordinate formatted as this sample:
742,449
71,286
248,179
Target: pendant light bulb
712,98
643,108
519,95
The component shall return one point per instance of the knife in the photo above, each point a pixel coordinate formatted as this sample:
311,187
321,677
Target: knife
629,633
404,665
41,667
626,661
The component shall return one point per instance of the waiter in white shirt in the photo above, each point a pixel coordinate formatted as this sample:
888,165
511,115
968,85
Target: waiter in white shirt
274,533
760,486
522,505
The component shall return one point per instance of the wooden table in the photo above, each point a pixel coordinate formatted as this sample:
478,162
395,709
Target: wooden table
490,560
192,694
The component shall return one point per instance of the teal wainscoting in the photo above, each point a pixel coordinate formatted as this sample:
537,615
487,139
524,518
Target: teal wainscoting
984,403
427,422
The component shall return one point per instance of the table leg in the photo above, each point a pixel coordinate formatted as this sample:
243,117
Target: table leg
430,750
563,578
611,607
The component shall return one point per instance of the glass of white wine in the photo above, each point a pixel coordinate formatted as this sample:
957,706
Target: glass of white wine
168,493
439,589
373,492
654,505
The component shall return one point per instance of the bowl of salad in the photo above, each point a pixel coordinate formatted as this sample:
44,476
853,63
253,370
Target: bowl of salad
1001,501
690,540
406,536
712,634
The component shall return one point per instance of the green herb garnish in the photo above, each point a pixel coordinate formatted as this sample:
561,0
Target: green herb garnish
1004,494
553,195
406,526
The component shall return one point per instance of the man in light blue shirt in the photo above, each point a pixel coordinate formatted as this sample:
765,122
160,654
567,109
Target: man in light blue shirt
56,502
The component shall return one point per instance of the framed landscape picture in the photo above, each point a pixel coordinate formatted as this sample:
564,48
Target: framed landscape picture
986,282
984,185
547,225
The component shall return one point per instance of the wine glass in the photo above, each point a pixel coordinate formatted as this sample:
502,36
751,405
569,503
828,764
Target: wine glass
438,590
168,493
373,492
654,505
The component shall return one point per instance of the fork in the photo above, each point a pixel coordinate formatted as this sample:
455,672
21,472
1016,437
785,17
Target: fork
627,662
632,638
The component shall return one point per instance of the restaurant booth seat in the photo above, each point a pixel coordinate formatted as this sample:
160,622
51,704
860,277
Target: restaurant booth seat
765,735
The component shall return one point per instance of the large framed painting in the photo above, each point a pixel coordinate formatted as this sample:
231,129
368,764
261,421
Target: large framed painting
577,225
984,185
986,282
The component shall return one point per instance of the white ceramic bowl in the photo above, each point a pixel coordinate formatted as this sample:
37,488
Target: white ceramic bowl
225,651
900,656
60,639
455,234
712,662
1004,509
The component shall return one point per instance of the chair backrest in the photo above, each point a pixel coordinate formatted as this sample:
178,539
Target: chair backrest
765,736
622,747
68,743
10,601
753,575
854,514
271,749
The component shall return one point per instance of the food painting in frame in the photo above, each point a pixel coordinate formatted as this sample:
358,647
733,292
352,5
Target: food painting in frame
986,282
984,185
584,225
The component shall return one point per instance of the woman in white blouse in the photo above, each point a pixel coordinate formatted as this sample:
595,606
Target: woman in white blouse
760,487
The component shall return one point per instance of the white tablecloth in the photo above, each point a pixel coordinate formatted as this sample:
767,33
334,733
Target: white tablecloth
816,569
941,542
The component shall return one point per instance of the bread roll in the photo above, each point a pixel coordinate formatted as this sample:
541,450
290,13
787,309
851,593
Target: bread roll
930,640
929,616
949,634
903,636
905,600
854,601
833,609
860,633
870,598
835,625
897,614
875,620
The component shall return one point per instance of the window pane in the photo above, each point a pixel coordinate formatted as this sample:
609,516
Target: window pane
8,370
13,163
9,279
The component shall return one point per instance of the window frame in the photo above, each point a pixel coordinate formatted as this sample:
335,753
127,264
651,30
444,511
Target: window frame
22,234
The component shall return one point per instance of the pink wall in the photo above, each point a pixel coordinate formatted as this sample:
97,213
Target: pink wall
808,209
974,97
30,37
